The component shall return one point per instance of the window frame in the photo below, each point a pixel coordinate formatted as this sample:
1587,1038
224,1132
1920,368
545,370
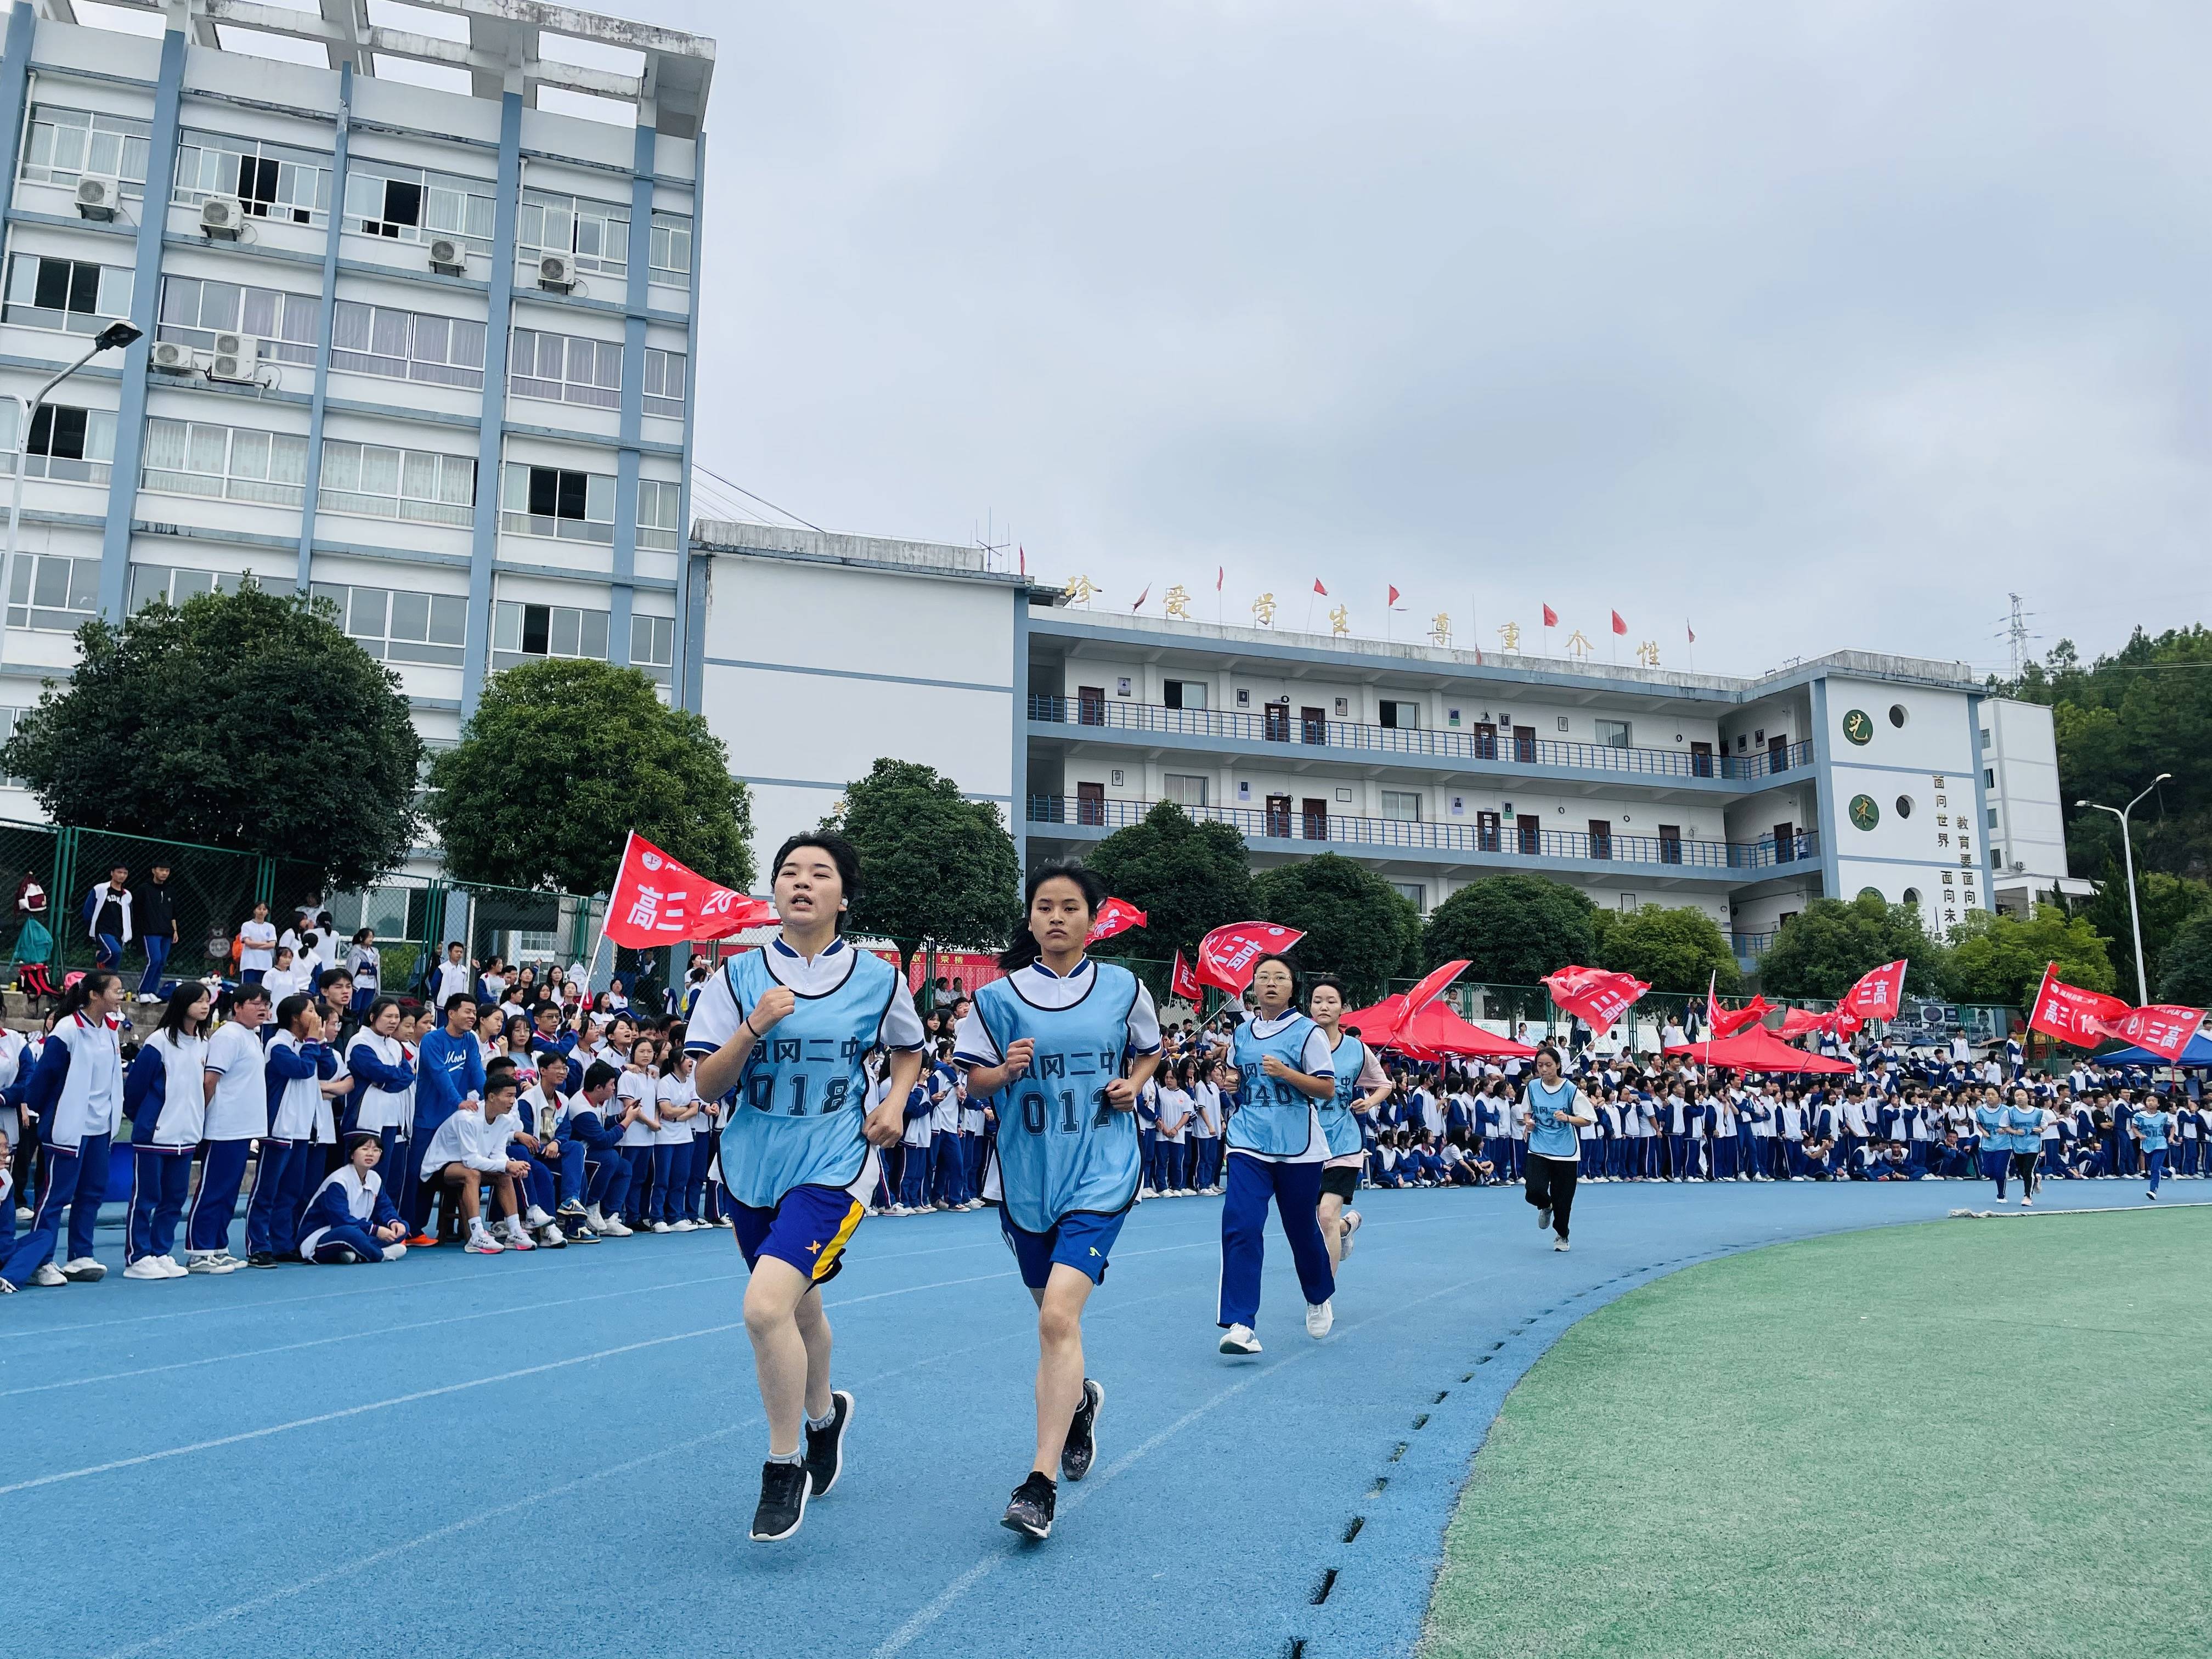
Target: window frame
94,319
80,579
595,393
270,491
281,208
448,370
97,122
353,501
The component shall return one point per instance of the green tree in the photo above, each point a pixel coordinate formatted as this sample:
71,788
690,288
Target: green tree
1824,950
244,720
1513,928
562,759
1671,949
2187,978
1356,925
1188,879
935,866
2166,902
2000,959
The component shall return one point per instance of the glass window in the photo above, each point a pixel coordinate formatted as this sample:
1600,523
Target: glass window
411,204
1188,788
400,625
274,181
164,584
520,632
52,593
1184,694
407,345
653,645
1400,716
381,481
596,233
1614,734
659,509
194,310
671,260
566,368
192,458
1414,891
65,145
665,376
546,500
73,294
72,446
1404,805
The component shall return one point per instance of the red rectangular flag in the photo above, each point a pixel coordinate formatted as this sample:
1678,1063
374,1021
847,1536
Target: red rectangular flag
1434,986
1619,625
2163,1028
2072,1014
1184,986
1550,617
658,900
1115,916
1877,994
1597,997
1227,955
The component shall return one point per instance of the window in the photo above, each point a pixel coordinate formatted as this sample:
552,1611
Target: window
52,593
659,510
1401,716
1188,788
1985,737
1905,806
1912,896
1990,776
412,204
274,181
67,144
407,345
653,645
74,295
193,310
1404,805
670,259
1993,817
597,233
665,376
167,585
566,368
1897,716
1614,734
1414,892
522,631
192,458
8,718
401,626
383,482
72,446
547,500
1183,694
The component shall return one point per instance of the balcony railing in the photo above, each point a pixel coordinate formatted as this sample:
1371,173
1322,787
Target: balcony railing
1750,947
1429,835
1504,748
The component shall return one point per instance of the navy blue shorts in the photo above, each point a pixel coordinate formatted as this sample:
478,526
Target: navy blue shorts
1081,1241
809,1227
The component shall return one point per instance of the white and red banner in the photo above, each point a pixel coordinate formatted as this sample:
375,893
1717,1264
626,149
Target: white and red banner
1184,986
1877,995
659,900
2072,1014
1115,916
1227,955
1597,997
2163,1028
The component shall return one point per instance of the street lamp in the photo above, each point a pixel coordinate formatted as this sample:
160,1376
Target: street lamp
2127,852
114,336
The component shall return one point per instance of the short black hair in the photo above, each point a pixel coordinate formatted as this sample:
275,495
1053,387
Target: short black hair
599,1075
331,977
455,1001
291,1008
502,1077
841,854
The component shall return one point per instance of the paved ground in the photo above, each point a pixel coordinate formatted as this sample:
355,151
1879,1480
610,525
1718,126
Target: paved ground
559,1452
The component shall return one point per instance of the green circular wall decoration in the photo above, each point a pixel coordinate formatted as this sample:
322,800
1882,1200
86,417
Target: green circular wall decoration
1864,813
1858,726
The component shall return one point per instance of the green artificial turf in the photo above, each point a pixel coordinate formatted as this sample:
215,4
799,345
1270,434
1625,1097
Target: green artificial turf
1965,1437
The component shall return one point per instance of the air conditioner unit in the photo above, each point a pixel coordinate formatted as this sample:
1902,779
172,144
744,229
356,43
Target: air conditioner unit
221,215
236,357
554,271
172,356
95,197
449,254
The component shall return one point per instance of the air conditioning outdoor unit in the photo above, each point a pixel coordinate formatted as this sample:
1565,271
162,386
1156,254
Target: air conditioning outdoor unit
554,271
236,357
449,255
95,197
172,356
221,215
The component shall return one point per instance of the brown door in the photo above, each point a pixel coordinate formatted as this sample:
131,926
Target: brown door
1601,838
1531,838
1313,726
1278,815
1277,718
1313,818
1524,744
1785,842
1090,705
1485,823
1090,803
1670,843
1778,754
1486,740
1701,760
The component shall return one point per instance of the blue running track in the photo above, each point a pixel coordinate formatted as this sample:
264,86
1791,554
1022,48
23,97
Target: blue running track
559,1452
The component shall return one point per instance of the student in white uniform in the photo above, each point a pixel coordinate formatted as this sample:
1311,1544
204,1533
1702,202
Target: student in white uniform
165,1100
676,1104
237,1116
256,947
349,1219
639,1089
76,1091
1204,1129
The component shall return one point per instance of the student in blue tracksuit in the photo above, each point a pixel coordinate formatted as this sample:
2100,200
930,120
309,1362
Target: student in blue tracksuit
1283,1071
787,1026
165,1097
449,1069
237,1116
296,1063
382,1068
349,1219
2153,1131
1062,1046
594,1129
1360,1088
76,1090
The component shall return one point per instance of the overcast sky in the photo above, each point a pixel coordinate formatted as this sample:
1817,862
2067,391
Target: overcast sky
1813,326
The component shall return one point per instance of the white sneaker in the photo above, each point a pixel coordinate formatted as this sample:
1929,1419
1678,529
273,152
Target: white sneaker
2027,1204
84,1270
48,1275
225,1262
897,1209
204,1262
393,1252
481,1243
146,1267
549,1236
1240,1339
685,1225
174,1268
518,1240
1561,1245
535,1217
1351,1228
612,1227
1147,1192
23,1217
1320,1315
659,1227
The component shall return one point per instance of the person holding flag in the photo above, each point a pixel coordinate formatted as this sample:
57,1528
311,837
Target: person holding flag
1060,1047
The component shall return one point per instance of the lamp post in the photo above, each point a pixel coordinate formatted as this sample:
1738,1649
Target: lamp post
112,337
2127,852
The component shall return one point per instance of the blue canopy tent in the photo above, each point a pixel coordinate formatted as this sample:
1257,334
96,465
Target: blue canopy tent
2197,1054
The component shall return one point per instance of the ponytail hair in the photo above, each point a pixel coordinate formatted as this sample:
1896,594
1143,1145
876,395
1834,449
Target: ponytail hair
1023,949
74,998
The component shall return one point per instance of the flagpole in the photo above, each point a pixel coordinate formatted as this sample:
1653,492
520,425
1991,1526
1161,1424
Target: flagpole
591,968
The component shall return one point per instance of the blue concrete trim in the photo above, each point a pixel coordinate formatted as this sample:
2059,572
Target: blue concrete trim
98,226
1823,789
45,366
1917,864
43,515
393,554
1988,882
1845,764
145,285
691,613
326,316
853,674
840,788
499,321
72,72
1018,770
633,398
394,411
593,578
599,440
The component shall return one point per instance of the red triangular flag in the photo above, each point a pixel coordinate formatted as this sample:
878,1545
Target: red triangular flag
1550,617
1142,596
1319,589
1618,626
1184,986
1220,573
1692,632
1023,553
1115,916
1394,596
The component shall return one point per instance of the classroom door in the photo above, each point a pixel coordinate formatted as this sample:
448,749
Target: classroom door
1275,722
1090,803
1601,838
1313,815
1278,815
1090,705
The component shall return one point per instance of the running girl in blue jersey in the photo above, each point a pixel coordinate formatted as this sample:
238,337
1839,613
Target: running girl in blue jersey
784,1028
1282,1071
1360,1088
1048,1045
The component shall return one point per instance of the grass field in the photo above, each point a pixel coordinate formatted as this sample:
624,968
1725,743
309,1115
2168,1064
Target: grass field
1956,1438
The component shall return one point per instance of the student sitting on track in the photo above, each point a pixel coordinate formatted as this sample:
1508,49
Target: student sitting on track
470,1147
606,1170
350,1218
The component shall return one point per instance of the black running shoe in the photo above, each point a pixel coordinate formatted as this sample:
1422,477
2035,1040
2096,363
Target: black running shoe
825,1448
1031,1511
782,1502
1082,1442
261,1259
1544,1220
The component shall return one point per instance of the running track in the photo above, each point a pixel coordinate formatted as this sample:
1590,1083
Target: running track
559,1452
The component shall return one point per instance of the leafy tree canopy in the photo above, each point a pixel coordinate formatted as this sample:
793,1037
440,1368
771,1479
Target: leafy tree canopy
2167,902
2000,959
1187,878
1823,950
2186,976
1356,925
934,866
562,759
243,719
1671,949
1513,928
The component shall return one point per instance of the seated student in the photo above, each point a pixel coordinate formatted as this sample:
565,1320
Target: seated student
1460,1170
1820,1159
1428,1162
1385,1172
557,1159
470,1147
603,1182
526,1142
1952,1161
1895,1165
1865,1162
350,1218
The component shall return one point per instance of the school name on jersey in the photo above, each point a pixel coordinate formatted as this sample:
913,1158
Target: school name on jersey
1078,1065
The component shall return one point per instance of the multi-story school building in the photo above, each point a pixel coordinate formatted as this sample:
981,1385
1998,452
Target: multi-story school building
1744,797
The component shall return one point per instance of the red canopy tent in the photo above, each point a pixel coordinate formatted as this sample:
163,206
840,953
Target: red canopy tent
1434,1030
1759,1050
